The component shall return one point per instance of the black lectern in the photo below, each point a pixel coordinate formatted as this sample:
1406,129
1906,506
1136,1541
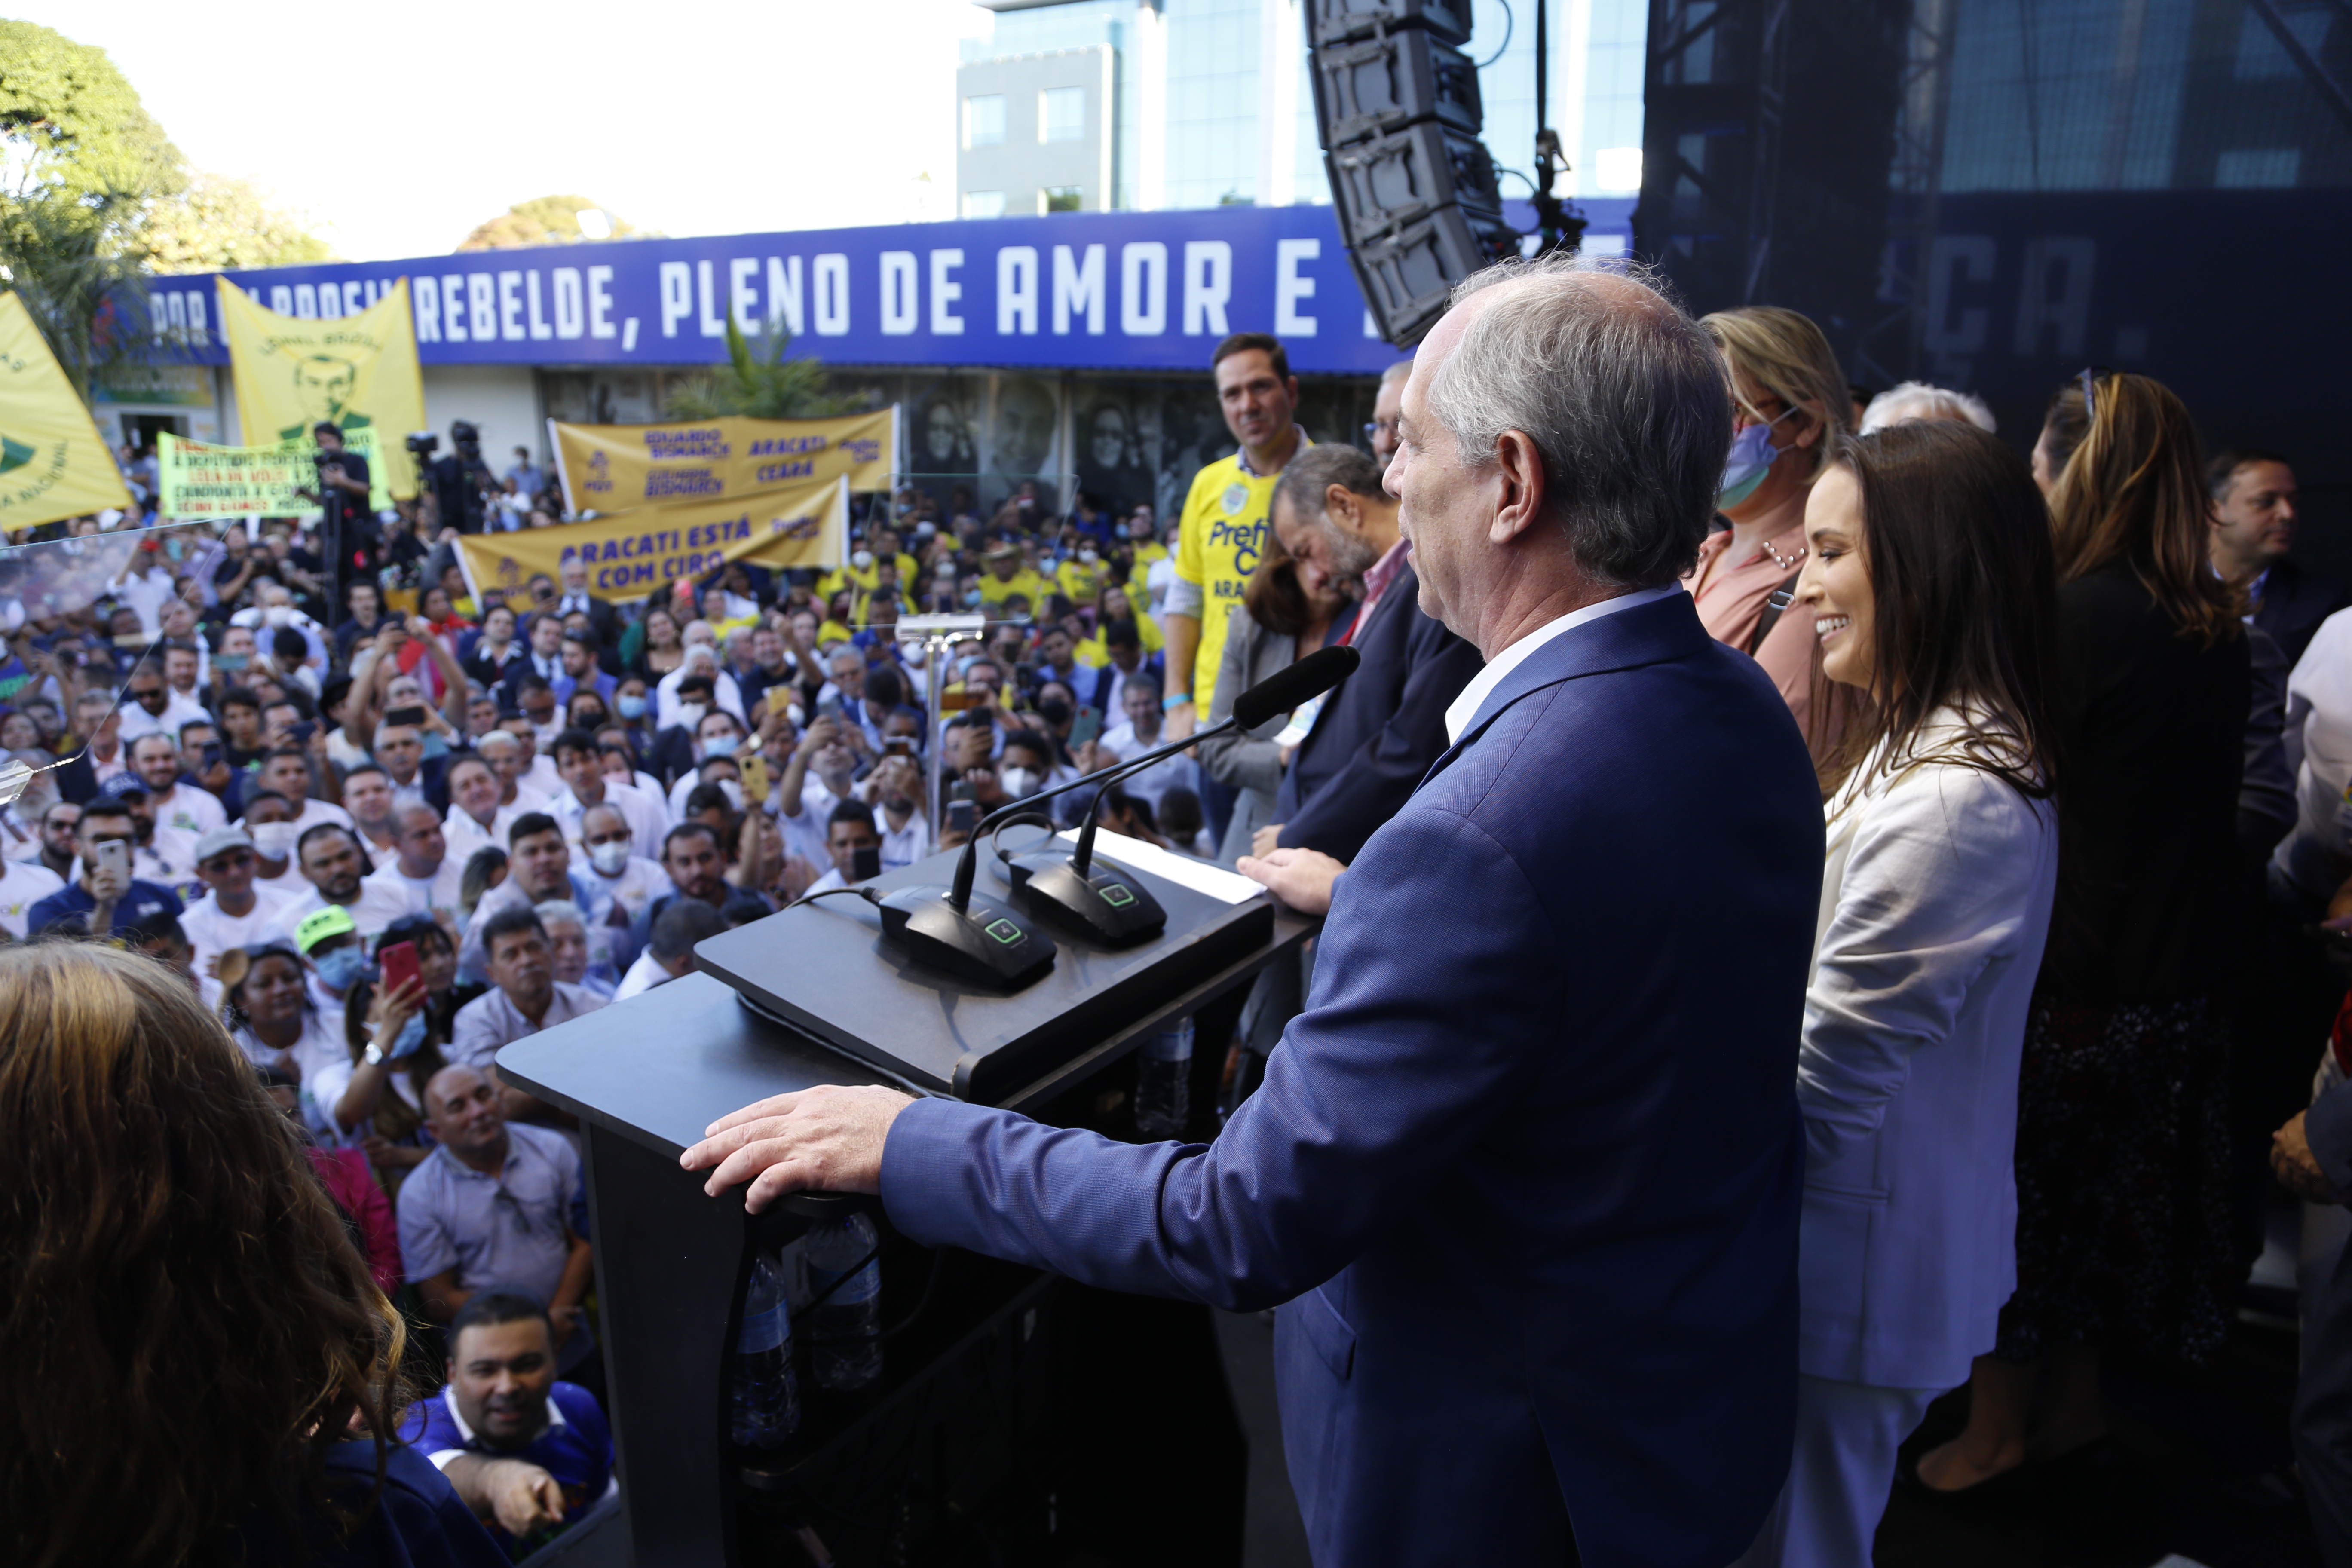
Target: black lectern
988,1367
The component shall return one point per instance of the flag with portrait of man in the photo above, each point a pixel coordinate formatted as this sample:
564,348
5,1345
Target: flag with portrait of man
356,372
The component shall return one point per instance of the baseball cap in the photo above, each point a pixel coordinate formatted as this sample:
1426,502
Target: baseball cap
320,924
122,786
220,841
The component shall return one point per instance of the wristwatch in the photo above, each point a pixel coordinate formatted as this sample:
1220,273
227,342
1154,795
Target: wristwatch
374,1056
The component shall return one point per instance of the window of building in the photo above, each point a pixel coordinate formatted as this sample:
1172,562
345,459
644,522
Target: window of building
983,121
1060,199
1062,115
984,203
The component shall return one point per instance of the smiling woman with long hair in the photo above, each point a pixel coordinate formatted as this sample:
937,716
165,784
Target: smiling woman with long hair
201,1369
1929,587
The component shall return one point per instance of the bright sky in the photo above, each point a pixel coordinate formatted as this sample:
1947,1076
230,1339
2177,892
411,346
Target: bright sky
403,128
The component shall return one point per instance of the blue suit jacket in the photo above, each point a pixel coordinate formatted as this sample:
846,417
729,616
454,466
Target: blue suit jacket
1526,1170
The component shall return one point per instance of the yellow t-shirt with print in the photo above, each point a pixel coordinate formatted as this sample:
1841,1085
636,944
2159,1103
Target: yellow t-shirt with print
1094,652
1025,583
1218,542
1081,582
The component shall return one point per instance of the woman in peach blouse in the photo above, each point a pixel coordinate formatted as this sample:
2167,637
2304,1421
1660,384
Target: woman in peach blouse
1788,403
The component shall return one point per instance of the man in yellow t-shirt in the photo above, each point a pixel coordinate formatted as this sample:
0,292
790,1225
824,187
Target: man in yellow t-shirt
1224,524
1008,574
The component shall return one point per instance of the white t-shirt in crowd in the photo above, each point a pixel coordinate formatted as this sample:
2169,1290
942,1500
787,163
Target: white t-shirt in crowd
462,836
190,810
213,931
181,710
22,884
388,894
1167,774
644,974
903,845
648,818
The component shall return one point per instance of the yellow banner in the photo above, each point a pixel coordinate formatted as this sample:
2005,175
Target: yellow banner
53,463
358,373
196,478
619,467
652,549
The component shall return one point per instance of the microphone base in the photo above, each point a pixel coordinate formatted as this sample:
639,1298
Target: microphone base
1105,904
986,944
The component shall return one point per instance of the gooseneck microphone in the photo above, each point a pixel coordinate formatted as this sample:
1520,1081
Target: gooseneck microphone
1287,687
976,938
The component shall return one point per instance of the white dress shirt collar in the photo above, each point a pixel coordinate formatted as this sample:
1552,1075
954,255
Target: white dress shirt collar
1466,706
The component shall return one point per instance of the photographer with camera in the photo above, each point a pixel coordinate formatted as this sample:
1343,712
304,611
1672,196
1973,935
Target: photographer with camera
348,530
460,479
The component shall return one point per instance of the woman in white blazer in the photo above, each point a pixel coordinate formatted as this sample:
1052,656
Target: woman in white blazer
1930,585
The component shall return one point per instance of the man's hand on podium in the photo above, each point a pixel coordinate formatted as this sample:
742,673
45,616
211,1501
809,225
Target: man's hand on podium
825,1139
1301,878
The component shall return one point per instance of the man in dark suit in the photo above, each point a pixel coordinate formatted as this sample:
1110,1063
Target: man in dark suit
1524,1174
602,617
2255,509
1368,743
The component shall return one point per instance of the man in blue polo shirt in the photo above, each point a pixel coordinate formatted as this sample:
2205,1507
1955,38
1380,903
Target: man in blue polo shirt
103,899
529,1456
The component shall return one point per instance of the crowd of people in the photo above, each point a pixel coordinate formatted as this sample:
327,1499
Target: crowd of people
2075,723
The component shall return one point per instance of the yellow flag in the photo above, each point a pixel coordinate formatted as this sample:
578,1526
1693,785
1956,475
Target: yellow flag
653,549
617,468
356,372
53,463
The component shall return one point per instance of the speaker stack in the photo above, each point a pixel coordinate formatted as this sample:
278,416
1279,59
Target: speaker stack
1397,114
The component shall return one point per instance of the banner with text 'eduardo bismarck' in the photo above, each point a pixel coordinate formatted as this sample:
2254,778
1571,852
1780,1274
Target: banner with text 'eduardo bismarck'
651,550
618,468
196,478
356,372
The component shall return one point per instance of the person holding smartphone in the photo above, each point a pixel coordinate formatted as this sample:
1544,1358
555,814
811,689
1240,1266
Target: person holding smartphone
105,897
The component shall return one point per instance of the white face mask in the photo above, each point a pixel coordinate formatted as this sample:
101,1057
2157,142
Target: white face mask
1017,783
1088,556
278,615
274,840
690,713
861,559
611,858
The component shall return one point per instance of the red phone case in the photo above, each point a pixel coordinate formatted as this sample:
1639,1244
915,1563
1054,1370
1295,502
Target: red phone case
399,962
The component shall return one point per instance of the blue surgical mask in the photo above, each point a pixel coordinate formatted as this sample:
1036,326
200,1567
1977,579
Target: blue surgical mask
722,745
1750,460
971,597
630,707
341,969
412,1037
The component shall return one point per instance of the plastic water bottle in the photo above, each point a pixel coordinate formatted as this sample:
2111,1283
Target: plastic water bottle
843,1350
1163,1085
767,1401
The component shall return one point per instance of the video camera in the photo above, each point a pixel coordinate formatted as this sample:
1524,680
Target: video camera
422,445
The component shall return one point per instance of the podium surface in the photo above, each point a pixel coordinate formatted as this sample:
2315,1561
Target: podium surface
646,1076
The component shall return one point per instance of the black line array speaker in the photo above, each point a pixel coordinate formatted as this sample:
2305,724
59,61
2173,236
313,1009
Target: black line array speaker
1397,114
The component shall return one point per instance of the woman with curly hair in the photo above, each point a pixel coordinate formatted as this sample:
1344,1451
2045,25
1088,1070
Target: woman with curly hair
201,1369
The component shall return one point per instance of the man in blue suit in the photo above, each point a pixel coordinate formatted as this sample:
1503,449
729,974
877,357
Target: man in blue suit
1525,1174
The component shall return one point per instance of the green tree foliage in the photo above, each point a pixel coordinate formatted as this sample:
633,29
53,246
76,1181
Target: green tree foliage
768,384
545,220
80,164
219,224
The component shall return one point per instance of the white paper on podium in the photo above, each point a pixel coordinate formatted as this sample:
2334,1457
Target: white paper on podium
1230,887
